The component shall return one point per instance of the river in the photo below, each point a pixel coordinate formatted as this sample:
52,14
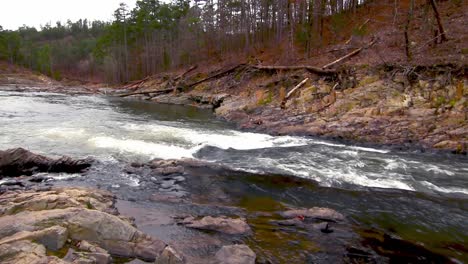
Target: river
417,195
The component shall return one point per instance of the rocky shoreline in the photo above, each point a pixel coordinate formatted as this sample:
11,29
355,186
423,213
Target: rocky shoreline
203,210
426,109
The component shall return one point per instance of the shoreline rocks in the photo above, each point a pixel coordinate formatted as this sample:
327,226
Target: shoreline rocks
57,219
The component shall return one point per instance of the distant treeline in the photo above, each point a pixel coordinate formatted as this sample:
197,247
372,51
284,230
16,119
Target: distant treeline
156,36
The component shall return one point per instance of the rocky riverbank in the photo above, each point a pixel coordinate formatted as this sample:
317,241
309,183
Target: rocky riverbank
425,107
204,213
422,107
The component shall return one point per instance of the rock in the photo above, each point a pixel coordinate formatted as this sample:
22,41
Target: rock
170,170
74,213
17,162
53,238
237,254
222,224
87,257
170,256
59,198
25,252
324,214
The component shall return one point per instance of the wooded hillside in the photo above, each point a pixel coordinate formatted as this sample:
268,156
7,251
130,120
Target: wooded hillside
157,36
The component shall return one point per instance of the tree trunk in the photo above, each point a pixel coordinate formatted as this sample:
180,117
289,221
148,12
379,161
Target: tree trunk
439,22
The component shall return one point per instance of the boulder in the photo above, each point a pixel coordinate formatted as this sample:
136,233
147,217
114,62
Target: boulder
222,224
325,214
237,254
18,162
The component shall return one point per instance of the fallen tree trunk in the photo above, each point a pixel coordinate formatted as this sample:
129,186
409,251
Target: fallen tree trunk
186,72
136,84
147,92
290,94
297,67
217,75
349,55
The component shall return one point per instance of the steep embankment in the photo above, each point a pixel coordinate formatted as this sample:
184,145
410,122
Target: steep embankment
376,94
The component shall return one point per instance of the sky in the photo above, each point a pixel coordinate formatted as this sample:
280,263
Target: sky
15,13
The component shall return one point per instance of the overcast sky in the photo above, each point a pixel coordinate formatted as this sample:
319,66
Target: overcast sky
15,13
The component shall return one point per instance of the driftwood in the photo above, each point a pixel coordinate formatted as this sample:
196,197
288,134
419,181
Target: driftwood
349,55
297,67
286,98
217,75
147,92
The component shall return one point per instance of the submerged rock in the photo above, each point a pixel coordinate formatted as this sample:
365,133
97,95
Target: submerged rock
325,214
19,161
237,254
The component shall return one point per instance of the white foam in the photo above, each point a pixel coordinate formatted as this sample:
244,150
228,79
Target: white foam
222,139
350,147
140,147
437,170
444,189
64,132
370,149
63,176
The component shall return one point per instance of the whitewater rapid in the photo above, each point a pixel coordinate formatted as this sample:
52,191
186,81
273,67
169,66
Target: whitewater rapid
114,129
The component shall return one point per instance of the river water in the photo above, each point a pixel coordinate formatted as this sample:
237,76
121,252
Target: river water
424,190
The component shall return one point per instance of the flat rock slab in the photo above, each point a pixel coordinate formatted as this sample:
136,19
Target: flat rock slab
222,224
31,221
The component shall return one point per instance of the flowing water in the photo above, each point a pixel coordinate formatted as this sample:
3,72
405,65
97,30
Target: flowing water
424,192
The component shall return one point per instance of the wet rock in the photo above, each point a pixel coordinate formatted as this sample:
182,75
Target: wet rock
325,214
222,224
237,254
17,162
50,217
170,170
167,184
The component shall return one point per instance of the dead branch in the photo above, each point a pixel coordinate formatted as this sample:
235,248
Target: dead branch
351,54
297,67
147,92
286,98
359,29
217,75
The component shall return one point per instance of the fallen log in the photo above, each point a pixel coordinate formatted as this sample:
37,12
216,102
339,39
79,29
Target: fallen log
290,94
186,72
297,67
217,75
349,55
147,92
136,84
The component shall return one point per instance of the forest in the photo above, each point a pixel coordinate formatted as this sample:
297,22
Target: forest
157,36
